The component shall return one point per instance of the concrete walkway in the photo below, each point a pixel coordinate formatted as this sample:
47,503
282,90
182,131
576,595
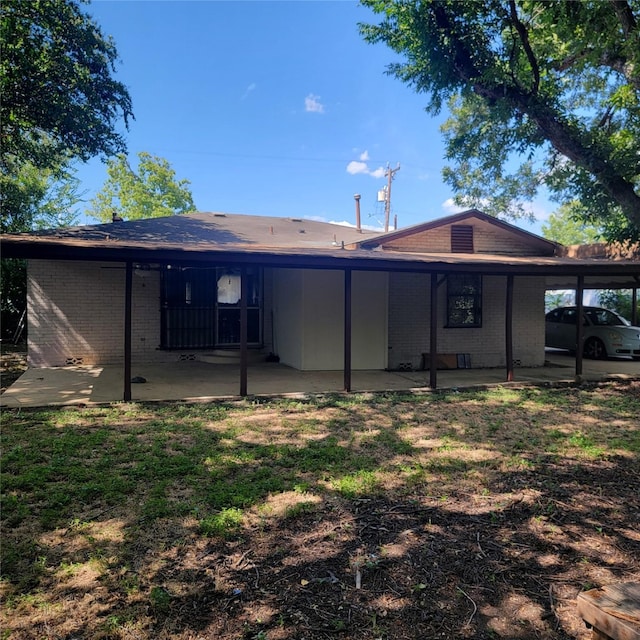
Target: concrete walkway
201,381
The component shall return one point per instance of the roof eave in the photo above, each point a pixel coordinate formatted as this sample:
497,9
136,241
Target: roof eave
357,259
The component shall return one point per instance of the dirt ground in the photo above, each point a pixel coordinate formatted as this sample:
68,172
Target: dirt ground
13,363
401,570
454,567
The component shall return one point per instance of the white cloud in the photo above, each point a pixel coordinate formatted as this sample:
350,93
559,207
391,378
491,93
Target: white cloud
368,227
361,166
355,167
345,223
451,207
312,104
248,90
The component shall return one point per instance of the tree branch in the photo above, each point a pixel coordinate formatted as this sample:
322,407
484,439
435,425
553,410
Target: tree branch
557,131
568,143
625,16
524,37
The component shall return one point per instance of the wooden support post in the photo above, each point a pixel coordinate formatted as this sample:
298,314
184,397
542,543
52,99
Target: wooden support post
347,330
433,333
128,295
579,327
508,333
243,331
634,306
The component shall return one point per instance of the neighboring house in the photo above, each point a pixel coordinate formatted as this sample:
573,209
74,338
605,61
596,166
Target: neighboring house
319,296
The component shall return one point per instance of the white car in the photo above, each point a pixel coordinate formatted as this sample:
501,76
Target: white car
605,332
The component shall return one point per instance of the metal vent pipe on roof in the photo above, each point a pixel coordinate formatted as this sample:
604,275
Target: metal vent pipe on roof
357,199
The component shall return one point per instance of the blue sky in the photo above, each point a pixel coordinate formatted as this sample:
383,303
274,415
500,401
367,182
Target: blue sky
274,108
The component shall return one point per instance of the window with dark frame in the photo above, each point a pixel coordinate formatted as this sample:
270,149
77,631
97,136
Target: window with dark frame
228,307
464,301
200,307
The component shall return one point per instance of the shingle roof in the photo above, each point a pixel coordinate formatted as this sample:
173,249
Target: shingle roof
200,229
272,241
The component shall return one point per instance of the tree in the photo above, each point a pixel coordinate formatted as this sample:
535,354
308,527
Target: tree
34,199
620,300
152,192
39,199
59,103
566,227
540,94
59,99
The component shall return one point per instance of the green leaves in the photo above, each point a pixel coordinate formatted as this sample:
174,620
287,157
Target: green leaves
566,226
541,94
56,85
151,192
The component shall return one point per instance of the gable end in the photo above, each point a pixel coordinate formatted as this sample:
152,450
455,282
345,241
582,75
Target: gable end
487,235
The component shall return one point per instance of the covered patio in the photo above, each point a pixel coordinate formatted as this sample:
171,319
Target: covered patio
106,295
195,381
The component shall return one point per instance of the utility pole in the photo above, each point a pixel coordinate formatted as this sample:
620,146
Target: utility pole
389,173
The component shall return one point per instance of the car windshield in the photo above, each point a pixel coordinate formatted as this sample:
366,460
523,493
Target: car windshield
605,318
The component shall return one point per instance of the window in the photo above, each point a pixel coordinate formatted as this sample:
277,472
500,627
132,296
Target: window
228,311
554,316
569,316
464,301
605,318
201,307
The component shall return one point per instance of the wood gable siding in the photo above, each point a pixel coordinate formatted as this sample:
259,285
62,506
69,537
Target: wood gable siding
487,238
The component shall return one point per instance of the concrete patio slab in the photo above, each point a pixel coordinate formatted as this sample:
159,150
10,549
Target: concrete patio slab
201,381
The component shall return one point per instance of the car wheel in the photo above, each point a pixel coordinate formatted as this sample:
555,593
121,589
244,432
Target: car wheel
594,349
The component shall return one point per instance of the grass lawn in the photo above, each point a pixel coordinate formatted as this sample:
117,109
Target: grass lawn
475,514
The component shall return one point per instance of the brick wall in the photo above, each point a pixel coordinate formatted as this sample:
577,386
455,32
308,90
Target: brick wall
487,238
408,319
409,314
76,314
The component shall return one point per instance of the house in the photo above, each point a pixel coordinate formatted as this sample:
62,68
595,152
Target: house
465,290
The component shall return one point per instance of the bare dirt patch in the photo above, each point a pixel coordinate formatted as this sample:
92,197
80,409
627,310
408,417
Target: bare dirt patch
13,363
471,515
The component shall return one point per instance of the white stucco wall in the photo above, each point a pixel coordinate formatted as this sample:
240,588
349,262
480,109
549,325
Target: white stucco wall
409,314
369,319
323,320
309,319
287,286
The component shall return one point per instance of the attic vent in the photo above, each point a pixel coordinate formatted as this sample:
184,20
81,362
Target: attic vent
296,219
461,238
219,215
